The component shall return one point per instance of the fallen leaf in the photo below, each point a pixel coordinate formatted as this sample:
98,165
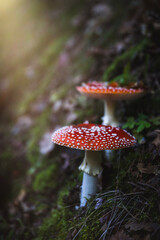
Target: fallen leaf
66,159
156,141
147,237
57,106
71,117
46,145
121,235
39,107
94,51
27,208
134,226
20,197
149,169
23,123
63,60
126,27
69,104
102,10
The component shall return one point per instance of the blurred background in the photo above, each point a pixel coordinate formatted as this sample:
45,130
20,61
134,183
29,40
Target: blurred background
47,48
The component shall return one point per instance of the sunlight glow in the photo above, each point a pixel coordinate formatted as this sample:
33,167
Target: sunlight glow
6,5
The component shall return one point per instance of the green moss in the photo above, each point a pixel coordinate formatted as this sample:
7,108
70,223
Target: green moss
128,55
41,206
60,93
91,230
82,64
46,179
29,99
33,154
6,157
70,184
121,169
57,225
47,60
84,113
54,227
116,210
52,51
63,193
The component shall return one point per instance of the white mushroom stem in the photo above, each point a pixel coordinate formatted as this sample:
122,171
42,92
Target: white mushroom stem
109,113
91,166
109,119
89,188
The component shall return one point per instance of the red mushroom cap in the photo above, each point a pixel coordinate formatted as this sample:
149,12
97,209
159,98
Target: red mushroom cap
102,90
93,137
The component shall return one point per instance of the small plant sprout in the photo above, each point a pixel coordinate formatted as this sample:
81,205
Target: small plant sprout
92,139
109,93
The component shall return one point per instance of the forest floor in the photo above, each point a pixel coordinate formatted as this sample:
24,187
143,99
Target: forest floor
47,49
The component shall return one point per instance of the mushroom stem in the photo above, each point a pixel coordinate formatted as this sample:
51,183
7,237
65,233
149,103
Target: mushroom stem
109,113
89,187
91,166
109,119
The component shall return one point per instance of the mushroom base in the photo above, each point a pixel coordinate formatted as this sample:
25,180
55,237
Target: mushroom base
89,188
91,163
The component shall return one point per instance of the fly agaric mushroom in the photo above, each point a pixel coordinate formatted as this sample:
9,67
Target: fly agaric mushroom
109,93
92,138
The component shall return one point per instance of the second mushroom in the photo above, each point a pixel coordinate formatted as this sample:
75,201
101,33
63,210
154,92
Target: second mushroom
92,138
109,93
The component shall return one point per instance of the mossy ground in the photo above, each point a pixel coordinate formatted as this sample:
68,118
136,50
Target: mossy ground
51,69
